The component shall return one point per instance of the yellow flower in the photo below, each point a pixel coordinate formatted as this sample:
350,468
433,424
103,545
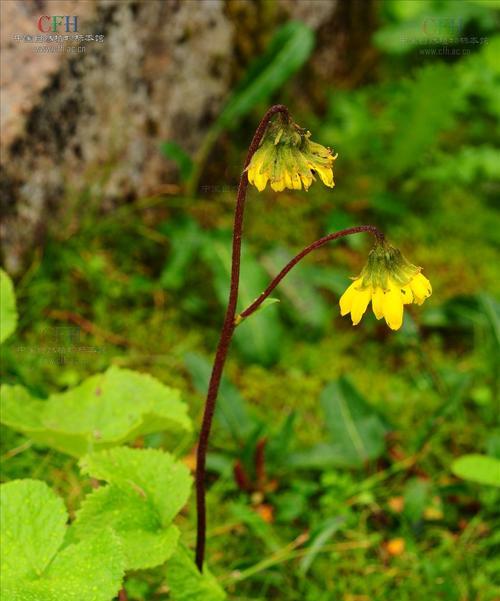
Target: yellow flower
287,158
389,281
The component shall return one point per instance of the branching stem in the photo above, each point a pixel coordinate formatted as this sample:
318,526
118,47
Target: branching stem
225,337
328,238
229,324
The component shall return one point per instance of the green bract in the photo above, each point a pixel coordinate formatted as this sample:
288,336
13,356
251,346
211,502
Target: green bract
103,411
384,262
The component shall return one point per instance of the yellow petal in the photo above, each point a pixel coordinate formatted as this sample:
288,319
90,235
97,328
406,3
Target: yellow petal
378,303
346,299
407,295
326,175
278,185
307,179
393,307
296,181
260,181
421,288
251,174
359,303
288,180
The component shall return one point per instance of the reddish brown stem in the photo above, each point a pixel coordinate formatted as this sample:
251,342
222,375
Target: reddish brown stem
229,324
225,337
260,463
347,232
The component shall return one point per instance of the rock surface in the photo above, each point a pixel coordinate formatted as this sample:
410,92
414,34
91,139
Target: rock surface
85,126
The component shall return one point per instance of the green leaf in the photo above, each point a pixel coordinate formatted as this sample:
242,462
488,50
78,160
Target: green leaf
478,468
33,526
147,489
185,238
35,568
328,529
321,456
429,109
258,527
417,493
134,519
288,51
268,302
305,302
257,339
104,410
357,431
185,581
426,23
172,150
231,410
8,311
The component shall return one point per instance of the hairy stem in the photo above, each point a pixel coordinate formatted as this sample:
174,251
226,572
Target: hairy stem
291,264
225,338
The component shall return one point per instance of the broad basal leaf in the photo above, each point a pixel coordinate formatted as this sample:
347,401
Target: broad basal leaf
35,568
8,312
147,489
105,410
357,431
33,526
185,581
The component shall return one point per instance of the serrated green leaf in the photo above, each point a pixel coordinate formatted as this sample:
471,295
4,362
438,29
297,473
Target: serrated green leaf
478,468
133,517
147,490
165,482
8,311
103,411
32,528
185,581
35,568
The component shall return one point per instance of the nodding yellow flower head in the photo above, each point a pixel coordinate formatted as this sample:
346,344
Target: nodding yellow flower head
287,158
389,281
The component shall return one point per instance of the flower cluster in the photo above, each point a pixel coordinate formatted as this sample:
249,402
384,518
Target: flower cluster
287,158
389,281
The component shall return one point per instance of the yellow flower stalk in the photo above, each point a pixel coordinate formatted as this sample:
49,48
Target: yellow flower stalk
287,158
389,281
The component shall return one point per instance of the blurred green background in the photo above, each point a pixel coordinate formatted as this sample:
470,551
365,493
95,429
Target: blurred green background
144,287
